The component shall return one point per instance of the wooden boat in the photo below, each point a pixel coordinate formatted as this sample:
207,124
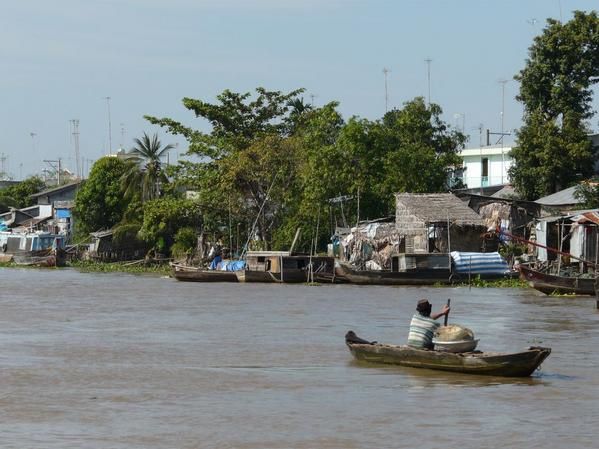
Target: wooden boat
40,249
195,274
407,269
519,364
550,283
281,267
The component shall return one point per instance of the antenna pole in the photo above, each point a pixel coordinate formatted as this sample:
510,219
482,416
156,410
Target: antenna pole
109,126
385,73
428,64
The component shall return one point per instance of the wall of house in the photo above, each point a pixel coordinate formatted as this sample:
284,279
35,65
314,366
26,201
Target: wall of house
414,230
497,170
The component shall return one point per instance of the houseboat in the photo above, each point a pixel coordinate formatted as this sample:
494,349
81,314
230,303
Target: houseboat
282,267
32,248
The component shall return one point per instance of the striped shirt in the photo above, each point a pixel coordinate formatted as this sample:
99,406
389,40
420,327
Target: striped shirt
422,329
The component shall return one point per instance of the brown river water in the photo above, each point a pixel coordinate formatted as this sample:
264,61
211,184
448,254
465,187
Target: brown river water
130,361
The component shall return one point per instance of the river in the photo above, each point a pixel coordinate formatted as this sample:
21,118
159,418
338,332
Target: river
132,361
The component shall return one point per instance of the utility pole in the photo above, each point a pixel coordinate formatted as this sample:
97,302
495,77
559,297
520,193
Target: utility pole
312,97
122,136
385,73
56,166
428,64
3,159
502,82
109,126
75,124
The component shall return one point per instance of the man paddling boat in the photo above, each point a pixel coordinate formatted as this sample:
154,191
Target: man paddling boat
423,325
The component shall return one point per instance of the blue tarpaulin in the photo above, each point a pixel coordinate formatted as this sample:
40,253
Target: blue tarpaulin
479,263
232,265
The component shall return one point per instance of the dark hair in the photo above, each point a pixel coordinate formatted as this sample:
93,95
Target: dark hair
424,307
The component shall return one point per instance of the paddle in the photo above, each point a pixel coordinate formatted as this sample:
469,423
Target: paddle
447,314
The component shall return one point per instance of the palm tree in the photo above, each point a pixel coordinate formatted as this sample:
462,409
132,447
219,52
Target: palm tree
145,174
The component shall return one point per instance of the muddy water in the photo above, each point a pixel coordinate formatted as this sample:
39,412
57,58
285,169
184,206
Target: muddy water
123,361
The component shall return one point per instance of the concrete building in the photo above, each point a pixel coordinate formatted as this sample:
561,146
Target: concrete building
486,166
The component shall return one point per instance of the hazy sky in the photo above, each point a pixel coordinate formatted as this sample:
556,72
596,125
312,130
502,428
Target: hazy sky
61,59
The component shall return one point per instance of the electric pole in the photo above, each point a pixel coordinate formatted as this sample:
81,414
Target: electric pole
75,124
428,65
109,126
385,73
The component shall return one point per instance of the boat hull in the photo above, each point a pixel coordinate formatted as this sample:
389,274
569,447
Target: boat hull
193,274
289,277
552,284
422,276
520,364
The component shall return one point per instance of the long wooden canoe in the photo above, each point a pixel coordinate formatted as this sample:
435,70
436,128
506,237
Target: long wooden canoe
194,274
519,364
550,283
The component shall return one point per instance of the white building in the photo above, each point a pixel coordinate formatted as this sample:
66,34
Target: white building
486,166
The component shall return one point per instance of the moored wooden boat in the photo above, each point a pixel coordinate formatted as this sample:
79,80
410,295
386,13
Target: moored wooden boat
420,276
553,284
195,274
519,364
281,267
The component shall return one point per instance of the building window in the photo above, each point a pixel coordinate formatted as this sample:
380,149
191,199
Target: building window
485,167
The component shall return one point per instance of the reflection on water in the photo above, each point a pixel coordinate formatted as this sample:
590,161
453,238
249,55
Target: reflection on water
121,361
417,377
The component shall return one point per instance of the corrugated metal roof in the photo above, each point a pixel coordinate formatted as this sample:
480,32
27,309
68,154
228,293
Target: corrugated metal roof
57,189
562,198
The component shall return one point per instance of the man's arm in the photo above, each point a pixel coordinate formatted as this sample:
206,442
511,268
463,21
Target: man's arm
444,311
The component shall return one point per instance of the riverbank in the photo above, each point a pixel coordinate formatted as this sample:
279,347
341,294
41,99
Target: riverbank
121,267
165,270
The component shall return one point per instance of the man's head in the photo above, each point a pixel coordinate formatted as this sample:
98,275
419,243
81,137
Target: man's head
424,307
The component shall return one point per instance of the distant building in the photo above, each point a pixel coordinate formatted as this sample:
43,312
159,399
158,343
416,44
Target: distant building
486,166
61,200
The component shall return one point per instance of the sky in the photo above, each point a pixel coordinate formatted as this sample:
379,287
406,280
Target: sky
61,59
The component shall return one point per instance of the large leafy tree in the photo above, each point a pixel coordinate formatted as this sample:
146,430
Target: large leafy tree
100,204
145,175
19,195
247,150
552,149
163,217
421,149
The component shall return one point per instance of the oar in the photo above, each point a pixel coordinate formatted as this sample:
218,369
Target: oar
447,314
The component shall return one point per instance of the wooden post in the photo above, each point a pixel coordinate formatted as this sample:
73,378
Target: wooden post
470,274
448,240
559,258
297,234
281,267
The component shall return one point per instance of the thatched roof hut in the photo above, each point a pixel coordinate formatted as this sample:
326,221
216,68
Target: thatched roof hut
423,218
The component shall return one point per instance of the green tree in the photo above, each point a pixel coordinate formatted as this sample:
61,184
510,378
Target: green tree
552,149
145,174
246,150
100,204
19,195
422,150
163,217
588,192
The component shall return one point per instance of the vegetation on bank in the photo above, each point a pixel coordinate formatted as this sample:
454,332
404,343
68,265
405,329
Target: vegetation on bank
477,282
121,267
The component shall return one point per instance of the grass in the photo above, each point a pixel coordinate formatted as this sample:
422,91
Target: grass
120,267
494,283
